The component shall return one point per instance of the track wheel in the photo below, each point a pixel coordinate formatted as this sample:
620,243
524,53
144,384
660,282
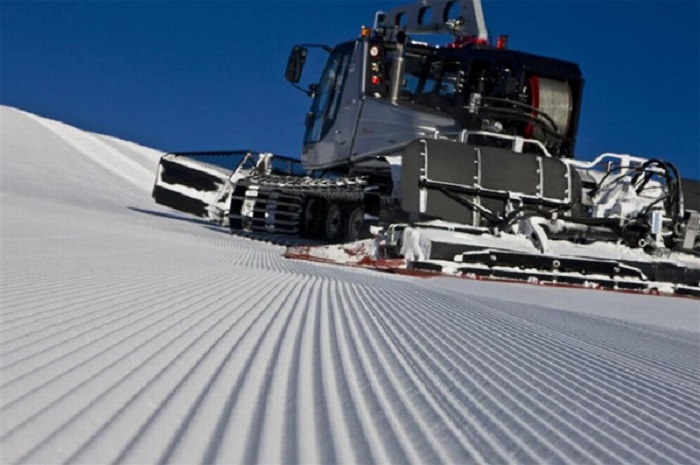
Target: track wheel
333,223
311,218
355,221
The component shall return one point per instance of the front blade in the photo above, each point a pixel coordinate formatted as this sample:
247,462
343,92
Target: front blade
198,182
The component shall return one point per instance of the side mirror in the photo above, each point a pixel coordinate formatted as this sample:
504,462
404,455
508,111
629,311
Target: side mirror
295,65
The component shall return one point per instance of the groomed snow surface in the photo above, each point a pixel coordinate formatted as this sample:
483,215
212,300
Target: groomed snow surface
133,334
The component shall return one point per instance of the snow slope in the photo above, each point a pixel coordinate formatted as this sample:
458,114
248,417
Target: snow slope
133,334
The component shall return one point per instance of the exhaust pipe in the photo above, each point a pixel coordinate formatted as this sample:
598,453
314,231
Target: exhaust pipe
397,68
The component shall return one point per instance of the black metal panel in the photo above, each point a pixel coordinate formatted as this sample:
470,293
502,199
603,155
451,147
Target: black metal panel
179,202
448,251
503,170
672,273
631,285
556,179
425,266
411,164
487,176
688,291
452,162
175,173
691,194
445,159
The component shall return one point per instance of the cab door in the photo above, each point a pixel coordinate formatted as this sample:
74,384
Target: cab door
331,122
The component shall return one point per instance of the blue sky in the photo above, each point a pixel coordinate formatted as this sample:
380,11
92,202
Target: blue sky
209,75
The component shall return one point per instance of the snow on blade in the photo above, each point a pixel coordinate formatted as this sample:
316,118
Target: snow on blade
132,334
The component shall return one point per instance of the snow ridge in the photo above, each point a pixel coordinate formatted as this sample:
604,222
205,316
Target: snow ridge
100,152
135,335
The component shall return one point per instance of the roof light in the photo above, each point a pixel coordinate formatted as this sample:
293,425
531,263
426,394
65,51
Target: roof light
365,31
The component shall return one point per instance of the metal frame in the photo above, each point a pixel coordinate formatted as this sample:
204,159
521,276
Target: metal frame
411,19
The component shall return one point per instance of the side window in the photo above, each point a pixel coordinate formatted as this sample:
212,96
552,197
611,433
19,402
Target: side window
413,72
410,83
326,101
449,81
433,78
441,85
443,79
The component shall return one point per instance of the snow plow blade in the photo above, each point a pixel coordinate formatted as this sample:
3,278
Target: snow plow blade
201,183
196,182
